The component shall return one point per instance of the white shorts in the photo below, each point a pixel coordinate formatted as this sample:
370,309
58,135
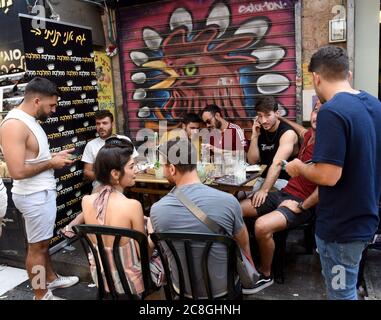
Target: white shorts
39,210
3,200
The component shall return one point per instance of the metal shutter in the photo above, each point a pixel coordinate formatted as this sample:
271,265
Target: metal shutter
178,56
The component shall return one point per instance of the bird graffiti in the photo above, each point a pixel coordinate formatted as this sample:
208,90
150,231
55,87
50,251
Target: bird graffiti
213,62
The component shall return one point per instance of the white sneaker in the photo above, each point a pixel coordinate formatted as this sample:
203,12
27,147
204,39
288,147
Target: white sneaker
49,296
62,282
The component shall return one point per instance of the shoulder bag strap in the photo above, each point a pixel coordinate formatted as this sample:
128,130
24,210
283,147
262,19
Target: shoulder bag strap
197,212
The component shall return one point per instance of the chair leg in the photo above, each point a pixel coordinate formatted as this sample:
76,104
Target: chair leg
279,259
168,293
309,239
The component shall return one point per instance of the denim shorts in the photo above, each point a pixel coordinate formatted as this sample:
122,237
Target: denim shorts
272,202
340,265
39,210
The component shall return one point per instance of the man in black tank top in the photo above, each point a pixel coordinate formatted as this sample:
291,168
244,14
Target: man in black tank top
271,141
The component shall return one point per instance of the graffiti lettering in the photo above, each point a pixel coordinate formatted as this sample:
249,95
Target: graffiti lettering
260,7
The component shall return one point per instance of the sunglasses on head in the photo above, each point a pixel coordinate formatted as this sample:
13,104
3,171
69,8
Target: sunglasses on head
209,121
118,141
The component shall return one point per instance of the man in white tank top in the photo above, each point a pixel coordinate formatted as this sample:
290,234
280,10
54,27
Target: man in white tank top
31,165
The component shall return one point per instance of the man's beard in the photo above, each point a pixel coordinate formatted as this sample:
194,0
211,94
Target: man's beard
42,117
218,124
106,133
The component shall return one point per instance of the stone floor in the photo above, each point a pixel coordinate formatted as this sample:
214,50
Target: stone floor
303,279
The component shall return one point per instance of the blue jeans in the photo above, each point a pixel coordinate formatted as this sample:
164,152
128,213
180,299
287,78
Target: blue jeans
340,265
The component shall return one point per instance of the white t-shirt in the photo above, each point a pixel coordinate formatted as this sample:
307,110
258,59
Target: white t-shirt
92,148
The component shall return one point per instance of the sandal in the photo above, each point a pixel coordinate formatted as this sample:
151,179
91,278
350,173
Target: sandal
67,232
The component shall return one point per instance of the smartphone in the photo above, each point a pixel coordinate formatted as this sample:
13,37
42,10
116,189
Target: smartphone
73,156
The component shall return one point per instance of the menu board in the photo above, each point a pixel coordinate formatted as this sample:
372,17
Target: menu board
63,53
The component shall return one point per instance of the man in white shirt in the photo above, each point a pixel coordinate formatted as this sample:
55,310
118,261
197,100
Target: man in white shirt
103,123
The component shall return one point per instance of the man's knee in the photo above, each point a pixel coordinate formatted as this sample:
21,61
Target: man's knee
263,228
247,209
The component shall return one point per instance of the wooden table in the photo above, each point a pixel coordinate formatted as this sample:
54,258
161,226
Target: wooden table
149,184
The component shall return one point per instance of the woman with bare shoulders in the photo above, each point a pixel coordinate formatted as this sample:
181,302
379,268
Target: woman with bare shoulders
115,170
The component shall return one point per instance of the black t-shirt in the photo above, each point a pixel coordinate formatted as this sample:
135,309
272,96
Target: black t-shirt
268,143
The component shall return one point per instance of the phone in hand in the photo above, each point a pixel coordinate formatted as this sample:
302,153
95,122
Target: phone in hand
73,156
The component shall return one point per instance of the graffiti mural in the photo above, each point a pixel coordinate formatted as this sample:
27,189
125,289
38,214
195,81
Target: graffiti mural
225,53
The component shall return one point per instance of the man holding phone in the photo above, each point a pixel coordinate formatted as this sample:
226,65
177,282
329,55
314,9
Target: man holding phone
31,165
271,141
282,209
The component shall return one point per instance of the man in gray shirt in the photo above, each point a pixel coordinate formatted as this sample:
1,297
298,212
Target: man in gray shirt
170,215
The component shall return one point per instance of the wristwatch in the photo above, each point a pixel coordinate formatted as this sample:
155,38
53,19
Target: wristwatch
300,206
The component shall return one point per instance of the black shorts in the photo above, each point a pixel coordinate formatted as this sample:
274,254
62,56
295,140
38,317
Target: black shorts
274,199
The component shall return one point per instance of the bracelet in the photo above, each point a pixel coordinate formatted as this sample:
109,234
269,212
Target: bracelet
300,206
